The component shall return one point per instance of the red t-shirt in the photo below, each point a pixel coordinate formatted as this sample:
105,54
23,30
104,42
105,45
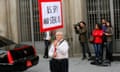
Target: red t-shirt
98,34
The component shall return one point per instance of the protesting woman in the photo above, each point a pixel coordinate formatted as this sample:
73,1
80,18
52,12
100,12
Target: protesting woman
97,34
59,54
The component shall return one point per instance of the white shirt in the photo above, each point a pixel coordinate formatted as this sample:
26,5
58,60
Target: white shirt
47,37
61,50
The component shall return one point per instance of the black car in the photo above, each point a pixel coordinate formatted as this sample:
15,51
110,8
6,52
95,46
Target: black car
16,57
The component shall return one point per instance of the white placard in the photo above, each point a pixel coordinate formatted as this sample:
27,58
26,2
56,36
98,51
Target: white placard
51,14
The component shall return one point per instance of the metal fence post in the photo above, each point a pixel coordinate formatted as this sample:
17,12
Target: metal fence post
112,21
31,20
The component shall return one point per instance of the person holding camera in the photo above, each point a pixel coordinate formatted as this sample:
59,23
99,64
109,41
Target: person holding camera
81,29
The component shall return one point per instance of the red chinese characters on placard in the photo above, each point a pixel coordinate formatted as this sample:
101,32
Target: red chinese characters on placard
50,14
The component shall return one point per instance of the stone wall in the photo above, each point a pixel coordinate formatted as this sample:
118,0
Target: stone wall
8,19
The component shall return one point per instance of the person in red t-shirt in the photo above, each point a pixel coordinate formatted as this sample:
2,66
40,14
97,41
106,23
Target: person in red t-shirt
97,34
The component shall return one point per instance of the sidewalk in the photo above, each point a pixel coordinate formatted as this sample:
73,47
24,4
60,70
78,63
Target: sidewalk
76,65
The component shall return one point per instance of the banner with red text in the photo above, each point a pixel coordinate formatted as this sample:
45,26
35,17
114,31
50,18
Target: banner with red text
50,14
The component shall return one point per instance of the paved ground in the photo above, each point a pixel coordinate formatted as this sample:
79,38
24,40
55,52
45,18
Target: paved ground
76,65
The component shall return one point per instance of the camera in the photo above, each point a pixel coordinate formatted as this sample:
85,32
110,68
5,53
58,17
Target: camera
75,27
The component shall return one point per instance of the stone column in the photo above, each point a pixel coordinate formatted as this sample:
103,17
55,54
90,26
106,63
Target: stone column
3,18
12,20
78,13
74,11
8,19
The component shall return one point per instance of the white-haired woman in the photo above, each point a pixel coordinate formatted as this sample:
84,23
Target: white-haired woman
59,54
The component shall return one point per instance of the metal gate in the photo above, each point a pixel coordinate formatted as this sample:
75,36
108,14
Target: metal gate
116,9
29,32
29,21
109,10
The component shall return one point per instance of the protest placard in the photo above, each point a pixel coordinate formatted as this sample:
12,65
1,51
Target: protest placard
50,14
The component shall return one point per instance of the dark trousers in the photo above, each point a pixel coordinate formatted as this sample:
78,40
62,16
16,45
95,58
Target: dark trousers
109,50
103,46
85,49
98,51
47,43
59,65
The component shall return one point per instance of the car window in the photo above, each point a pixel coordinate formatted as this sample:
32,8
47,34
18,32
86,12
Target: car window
5,42
2,51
